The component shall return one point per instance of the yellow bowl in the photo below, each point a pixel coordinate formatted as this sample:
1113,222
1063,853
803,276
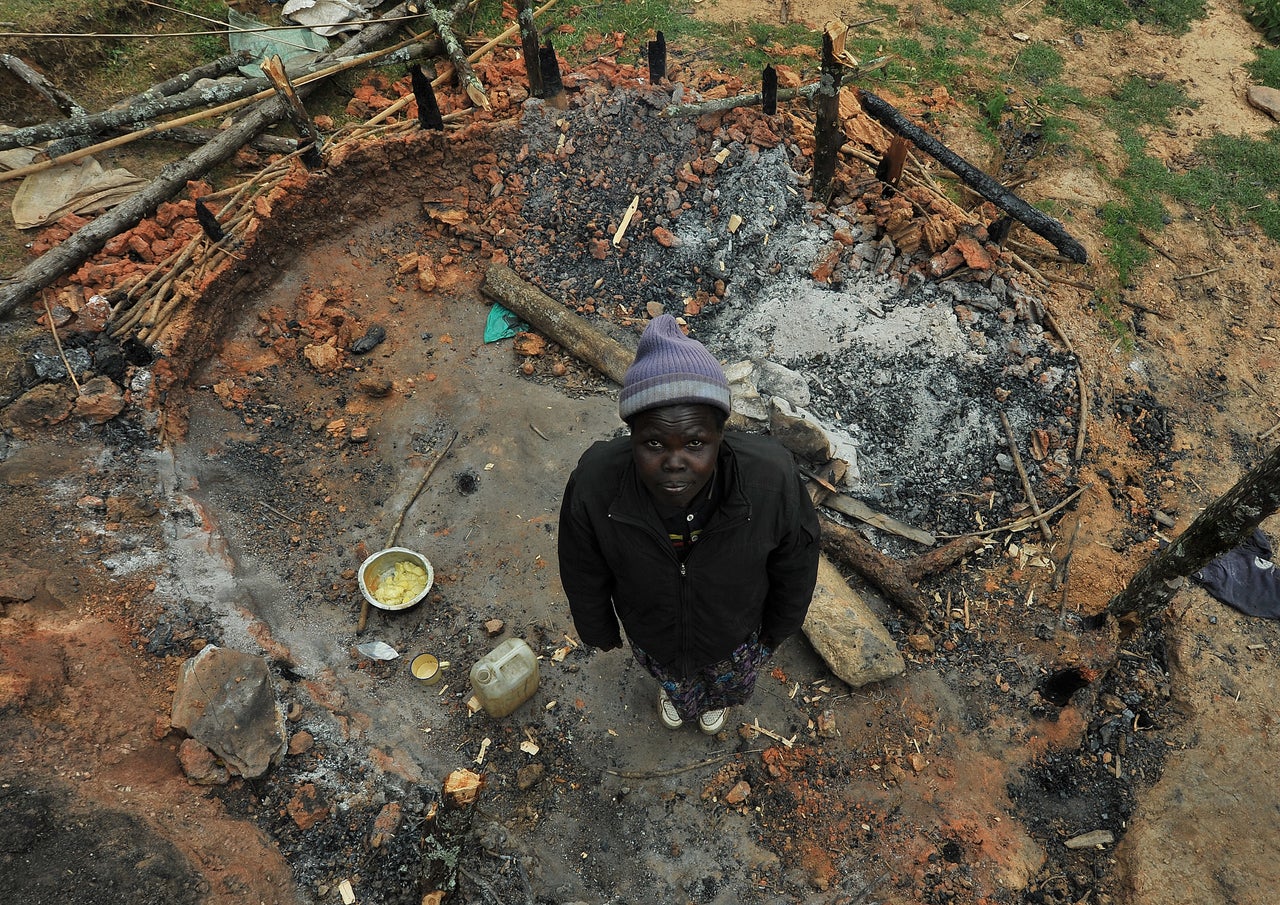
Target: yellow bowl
382,565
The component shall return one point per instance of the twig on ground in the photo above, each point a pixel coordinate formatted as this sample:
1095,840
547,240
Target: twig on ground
57,342
1045,531
676,771
1021,524
1199,273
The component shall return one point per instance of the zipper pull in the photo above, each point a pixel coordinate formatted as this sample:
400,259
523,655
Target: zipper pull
683,573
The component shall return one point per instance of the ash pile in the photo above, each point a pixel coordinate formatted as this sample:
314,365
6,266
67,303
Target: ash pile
906,360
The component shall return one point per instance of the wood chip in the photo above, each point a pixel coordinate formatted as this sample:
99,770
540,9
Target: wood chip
626,220
348,894
1089,840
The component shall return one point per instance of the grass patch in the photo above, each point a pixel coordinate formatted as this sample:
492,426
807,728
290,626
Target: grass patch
1038,63
1265,69
1114,322
1174,16
1142,102
970,7
1265,15
1239,174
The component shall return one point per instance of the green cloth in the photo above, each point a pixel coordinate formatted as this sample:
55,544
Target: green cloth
247,33
502,324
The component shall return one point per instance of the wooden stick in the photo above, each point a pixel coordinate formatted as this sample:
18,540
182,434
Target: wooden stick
274,70
741,100
581,338
887,574
57,342
1200,273
1026,482
1021,524
1083,425
855,508
676,771
395,529
1140,307
827,136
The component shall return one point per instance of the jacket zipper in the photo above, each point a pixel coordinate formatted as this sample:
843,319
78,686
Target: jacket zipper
686,608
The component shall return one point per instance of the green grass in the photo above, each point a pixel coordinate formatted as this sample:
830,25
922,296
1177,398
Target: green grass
1265,69
1138,104
1174,16
1038,64
970,7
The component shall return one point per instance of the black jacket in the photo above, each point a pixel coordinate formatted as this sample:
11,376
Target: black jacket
752,570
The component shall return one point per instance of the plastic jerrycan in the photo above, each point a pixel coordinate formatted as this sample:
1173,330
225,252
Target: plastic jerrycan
506,677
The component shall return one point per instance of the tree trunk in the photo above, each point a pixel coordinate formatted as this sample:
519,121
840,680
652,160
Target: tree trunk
457,53
52,93
1223,525
1038,222
69,254
582,340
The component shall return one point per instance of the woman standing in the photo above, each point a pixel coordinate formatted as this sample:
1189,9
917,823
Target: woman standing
702,544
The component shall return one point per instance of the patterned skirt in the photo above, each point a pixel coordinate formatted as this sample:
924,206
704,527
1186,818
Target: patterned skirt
724,684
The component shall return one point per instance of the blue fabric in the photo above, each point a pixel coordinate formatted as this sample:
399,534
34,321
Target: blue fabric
1245,578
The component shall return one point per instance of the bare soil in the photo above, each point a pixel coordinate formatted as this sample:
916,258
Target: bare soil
227,505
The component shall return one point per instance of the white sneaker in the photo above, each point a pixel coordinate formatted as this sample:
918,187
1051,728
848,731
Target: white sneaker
667,711
713,721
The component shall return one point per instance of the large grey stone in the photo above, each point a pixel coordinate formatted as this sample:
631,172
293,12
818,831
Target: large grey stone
1265,99
226,700
774,379
846,634
750,409
797,430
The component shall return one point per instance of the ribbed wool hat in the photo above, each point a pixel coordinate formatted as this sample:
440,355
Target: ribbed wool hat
671,369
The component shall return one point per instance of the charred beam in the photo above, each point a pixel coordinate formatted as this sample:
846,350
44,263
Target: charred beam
558,323
1038,222
529,44
769,91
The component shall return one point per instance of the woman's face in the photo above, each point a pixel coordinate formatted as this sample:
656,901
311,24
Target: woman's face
675,450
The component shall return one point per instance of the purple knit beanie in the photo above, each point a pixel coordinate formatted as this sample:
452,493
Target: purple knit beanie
671,369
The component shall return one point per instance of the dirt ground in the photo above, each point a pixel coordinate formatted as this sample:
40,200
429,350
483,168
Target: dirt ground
231,503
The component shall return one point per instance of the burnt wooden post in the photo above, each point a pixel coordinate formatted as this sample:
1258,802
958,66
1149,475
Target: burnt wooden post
208,221
529,44
890,167
658,59
769,91
1040,223
424,93
1224,524
273,69
552,86
827,137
